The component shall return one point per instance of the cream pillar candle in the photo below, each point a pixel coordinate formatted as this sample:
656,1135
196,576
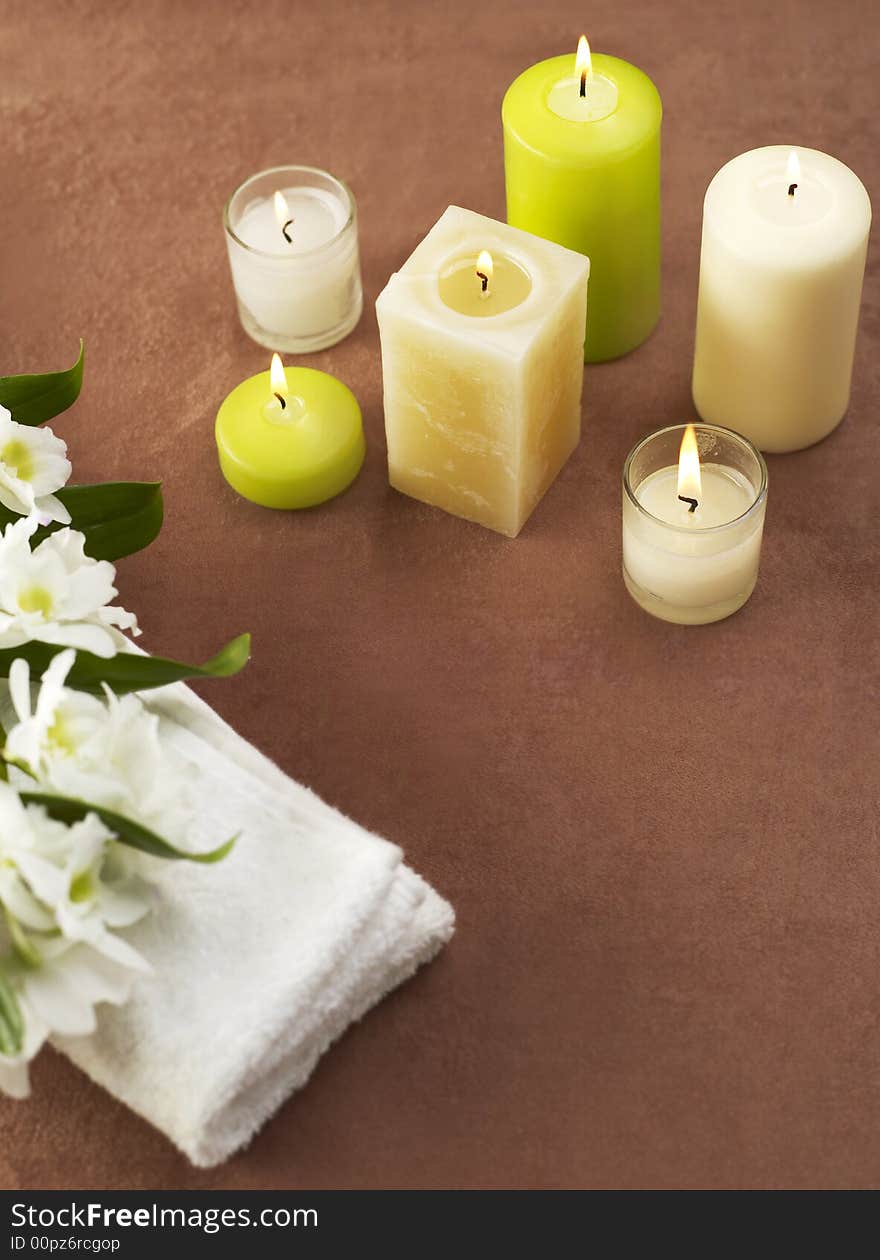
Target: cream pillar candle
693,516
482,360
785,233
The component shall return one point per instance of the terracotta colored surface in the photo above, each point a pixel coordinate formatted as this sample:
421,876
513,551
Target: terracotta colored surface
662,843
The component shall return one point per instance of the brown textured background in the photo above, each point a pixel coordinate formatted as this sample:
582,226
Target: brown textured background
662,843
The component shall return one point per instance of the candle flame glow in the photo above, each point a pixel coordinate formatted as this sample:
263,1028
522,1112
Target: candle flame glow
282,209
690,483
793,169
277,376
583,62
484,269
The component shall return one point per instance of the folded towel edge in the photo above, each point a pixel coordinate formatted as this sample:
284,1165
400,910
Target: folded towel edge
432,926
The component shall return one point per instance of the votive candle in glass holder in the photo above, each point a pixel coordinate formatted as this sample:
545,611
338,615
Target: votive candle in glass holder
291,233
694,499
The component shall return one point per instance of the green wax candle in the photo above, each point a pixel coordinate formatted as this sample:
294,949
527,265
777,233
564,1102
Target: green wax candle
582,168
290,438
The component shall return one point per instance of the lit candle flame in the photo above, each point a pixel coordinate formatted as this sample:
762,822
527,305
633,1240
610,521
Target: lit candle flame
793,172
690,483
484,270
279,380
283,215
583,64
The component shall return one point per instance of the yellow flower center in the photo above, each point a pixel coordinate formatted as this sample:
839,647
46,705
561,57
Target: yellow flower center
82,887
35,599
17,456
59,736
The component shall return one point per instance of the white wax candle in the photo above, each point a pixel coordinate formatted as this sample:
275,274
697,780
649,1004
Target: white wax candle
696,566
295,263
482,362
783,255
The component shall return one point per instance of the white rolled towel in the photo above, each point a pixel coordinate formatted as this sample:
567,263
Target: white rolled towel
261,961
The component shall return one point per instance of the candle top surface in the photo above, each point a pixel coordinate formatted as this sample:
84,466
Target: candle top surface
726,495
590,101
789,202
312,218
468,289
543,108
806,209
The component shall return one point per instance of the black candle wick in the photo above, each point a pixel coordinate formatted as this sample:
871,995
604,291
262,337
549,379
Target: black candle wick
281,399
484,280
583,83
285,233
693,502
791,189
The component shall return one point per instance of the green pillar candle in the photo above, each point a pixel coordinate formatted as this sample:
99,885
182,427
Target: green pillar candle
582,168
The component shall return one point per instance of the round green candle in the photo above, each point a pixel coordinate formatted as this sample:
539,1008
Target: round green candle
582,168
291,438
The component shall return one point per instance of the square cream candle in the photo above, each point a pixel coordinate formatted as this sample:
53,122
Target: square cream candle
482,334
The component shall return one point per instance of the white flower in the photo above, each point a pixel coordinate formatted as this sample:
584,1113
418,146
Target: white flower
14,1068
18,839
74,878
105,751
59,997
56,593
63,890
63,991
70,873
61,722
33,464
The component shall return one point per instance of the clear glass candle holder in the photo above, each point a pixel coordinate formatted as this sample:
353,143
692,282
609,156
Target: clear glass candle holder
693,567
291,234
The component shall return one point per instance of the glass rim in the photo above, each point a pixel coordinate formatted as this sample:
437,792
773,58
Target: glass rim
760,493
305,253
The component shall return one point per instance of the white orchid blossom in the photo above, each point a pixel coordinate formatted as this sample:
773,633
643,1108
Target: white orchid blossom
68,890
105,751
57,594
59,724
64,890
14,1079
67,877
58,998
33,465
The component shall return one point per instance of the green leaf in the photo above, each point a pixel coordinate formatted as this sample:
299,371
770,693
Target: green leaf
33,399
67,810
11,1021
127,671
117,518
